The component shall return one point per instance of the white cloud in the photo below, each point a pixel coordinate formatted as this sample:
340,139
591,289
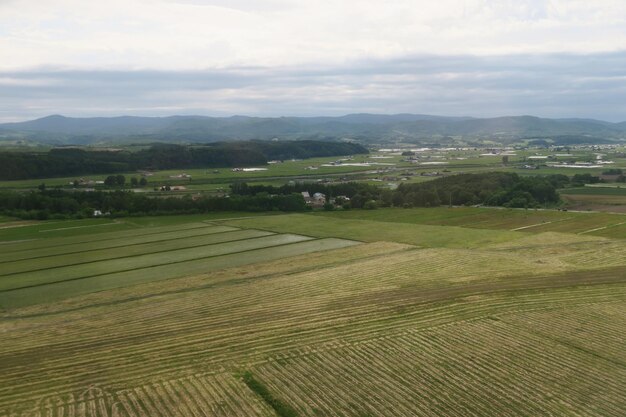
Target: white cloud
196,34
559,85
304,57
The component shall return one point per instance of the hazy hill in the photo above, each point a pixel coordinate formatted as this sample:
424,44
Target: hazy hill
364,127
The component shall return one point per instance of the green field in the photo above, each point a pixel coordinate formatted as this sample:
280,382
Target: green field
529,221
52,269
389,312
208,178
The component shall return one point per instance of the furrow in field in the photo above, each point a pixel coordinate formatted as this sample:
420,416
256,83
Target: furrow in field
483,368
316,319
192,303
98,268
80,249
33,295
318,337
87,257
265,269
87,239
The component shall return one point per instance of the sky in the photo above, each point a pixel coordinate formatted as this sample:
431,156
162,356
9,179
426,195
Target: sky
481,58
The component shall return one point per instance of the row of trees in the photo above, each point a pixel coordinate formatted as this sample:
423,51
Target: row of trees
120,180
59,204
493,189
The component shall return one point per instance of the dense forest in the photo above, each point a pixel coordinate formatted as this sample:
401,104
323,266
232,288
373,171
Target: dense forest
61,162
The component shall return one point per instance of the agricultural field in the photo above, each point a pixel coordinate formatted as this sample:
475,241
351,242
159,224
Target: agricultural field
211,179
529,221
407,312
606,198
372,168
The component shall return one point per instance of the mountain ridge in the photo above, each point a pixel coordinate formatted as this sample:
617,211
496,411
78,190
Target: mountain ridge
59,129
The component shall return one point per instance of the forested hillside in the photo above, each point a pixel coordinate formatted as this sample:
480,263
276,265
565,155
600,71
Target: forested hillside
362,127
73,161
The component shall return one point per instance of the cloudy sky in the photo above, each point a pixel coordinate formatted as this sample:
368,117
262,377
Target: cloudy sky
551,58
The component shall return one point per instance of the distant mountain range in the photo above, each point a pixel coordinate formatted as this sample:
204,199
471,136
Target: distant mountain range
413,128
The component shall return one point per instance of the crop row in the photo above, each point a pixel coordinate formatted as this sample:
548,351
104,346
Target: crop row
485,218
92,402
213,395
469,369
314,255
217,327
195,262
407,268
352,282
88,257
109,266
79,249
598,328
48,242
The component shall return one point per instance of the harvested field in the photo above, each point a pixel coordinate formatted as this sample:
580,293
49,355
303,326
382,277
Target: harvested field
481,322
478,368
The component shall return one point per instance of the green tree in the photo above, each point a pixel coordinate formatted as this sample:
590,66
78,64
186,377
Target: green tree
370,205
110,181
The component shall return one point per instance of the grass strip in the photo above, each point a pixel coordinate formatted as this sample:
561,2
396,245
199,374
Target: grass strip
282,409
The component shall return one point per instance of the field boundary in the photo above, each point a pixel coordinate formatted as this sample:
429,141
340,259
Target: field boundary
139,254
601,228
155,265
541,224
236,281
52,245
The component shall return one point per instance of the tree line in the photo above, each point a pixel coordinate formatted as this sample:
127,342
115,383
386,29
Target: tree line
60,162
491,189
58,204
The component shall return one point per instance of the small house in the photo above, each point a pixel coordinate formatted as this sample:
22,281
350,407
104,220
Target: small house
319,198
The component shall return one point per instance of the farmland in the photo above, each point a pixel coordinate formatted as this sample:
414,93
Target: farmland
531,221
394,312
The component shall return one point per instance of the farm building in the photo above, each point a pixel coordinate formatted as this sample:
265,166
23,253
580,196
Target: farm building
317,200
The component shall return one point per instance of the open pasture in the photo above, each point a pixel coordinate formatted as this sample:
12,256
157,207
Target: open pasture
531,221
86,230
30,230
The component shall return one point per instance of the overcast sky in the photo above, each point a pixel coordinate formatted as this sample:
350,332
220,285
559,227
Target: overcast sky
552,58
